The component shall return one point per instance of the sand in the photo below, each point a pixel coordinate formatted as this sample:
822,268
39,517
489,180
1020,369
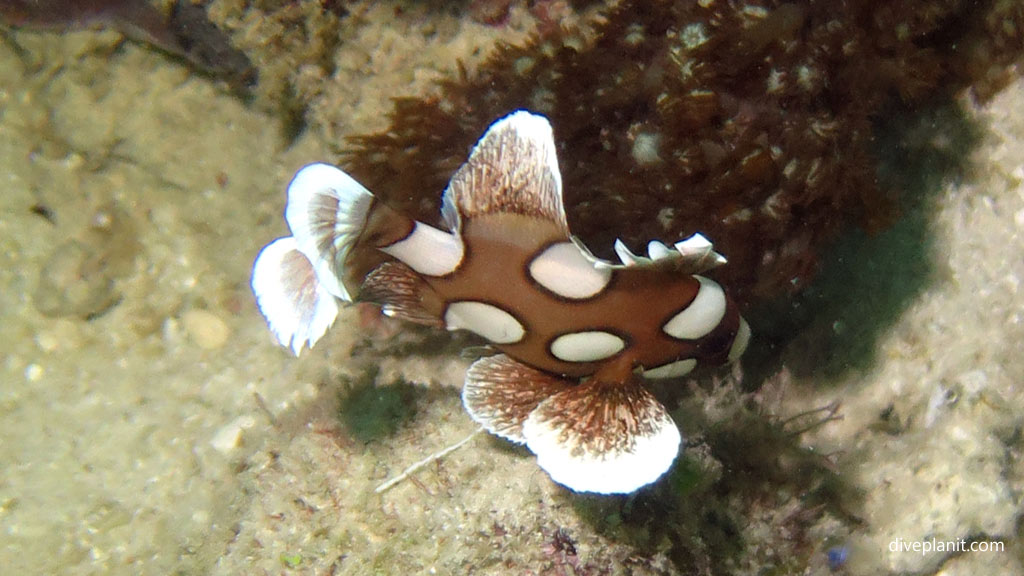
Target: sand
149,424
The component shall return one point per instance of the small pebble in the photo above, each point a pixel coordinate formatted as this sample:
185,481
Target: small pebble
59,336
229,437
34,372
206,329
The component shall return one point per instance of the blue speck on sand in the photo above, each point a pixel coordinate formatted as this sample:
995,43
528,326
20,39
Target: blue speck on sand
837,557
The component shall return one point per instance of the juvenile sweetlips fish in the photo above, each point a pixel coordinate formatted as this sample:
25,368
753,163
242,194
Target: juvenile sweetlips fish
575,332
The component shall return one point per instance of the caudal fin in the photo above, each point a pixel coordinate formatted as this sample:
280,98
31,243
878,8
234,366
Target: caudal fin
327,210
297,306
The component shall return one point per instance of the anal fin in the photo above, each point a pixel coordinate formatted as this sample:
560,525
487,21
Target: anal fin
604,437
500,393
402,294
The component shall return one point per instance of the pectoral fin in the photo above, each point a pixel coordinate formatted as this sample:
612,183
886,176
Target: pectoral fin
402,294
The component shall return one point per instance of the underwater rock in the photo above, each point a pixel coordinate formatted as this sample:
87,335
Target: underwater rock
750,123
490,12
293,44
137,19
209,48
186,32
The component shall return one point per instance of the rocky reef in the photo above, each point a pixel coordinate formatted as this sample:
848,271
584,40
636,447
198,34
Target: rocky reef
184,32
751,122
754,122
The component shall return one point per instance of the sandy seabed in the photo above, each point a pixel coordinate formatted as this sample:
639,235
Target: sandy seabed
150,425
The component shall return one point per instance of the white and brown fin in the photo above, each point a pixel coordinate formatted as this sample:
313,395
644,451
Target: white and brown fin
298,307
402,294
500,393
326,213
604,437
513,169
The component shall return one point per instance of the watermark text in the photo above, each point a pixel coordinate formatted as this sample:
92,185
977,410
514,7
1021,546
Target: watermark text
957,545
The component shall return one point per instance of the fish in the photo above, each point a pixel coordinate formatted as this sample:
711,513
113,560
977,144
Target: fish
575,336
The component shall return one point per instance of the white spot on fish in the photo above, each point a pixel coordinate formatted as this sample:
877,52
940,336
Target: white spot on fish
490,322
672,369
586,346
701,316
739,343
428,250
565,270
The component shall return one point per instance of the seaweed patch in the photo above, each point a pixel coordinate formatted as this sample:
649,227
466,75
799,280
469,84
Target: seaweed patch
751,122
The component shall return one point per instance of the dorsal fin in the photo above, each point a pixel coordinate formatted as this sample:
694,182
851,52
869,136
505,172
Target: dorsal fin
692,255
512,169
